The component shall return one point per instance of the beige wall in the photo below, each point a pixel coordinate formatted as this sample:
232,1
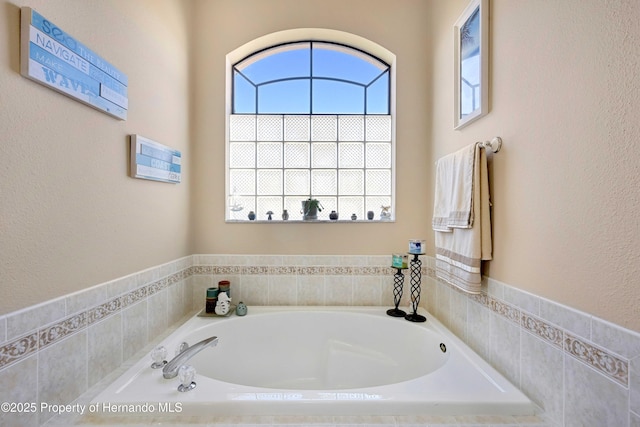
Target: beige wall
566,186
225,25
564,99
70,217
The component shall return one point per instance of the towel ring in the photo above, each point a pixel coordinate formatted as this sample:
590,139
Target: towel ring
494,145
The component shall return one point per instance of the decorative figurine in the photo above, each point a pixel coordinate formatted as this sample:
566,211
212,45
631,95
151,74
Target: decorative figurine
385,215
241,309
223,304
269,215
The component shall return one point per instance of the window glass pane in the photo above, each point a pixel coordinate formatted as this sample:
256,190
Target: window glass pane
242,181
350,128
324,155
379,155
330,96
378,128
269,155
324,128
351,205
323,182
339,62
351,155
378,182
296,155
296,128
242,154
244,95
296,181
270,181
242,128
269,128
291,60
378,96
351,182
290,96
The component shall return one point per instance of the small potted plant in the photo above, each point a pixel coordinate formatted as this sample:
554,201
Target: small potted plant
310,209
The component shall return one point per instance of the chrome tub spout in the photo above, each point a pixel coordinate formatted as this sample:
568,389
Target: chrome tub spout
170,370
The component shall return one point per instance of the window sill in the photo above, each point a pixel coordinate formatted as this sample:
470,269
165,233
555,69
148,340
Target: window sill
314,221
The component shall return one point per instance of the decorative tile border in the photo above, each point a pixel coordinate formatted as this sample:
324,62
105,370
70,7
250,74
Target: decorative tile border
505,310
103,311
62,329
543,330
605,362
15,350
597,358
18,349
296,270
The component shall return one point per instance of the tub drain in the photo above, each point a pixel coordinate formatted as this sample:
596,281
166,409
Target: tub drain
443,347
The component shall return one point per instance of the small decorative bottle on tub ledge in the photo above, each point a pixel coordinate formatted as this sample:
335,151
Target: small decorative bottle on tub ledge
241,309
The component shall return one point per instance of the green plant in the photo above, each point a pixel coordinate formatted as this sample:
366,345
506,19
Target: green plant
311,204
310,208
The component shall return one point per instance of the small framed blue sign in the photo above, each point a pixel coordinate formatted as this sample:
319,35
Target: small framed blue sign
53,58
154,161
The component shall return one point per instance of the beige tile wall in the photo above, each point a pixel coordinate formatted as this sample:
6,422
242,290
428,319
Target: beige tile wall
52,353
580,369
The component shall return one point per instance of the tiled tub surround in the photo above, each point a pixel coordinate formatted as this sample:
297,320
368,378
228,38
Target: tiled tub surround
54,352
580,369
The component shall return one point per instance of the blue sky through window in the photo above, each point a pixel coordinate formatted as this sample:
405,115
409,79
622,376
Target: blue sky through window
311,78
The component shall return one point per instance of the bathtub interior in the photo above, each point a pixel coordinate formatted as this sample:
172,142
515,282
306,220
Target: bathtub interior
322,351
369,364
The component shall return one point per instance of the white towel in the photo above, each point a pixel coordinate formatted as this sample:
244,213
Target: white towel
460,251
453,203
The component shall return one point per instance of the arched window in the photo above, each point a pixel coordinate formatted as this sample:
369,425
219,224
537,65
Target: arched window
310,119
311,78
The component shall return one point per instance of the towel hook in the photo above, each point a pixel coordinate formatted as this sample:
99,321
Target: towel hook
494,145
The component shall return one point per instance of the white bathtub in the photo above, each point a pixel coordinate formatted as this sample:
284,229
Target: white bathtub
321,361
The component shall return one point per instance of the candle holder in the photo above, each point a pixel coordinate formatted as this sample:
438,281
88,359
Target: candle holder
398,284
416,279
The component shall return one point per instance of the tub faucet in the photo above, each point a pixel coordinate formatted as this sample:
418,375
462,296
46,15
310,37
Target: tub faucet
170,370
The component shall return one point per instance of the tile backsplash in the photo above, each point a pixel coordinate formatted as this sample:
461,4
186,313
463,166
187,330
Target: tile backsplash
581,370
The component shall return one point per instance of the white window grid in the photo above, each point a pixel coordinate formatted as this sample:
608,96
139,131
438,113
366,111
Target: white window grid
277,161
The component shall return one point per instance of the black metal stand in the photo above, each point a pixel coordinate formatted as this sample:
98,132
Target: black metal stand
416,279
398,284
